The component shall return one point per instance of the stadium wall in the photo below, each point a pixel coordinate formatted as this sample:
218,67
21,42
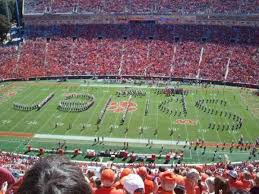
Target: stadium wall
164,78
101,18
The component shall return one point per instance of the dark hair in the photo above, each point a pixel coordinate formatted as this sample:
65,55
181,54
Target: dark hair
179,189
54,174
230,167
221,184
161,169
98,183
177,170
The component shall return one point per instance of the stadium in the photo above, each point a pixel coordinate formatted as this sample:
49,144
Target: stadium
155,86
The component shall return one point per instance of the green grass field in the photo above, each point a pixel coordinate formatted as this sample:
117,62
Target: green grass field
156,125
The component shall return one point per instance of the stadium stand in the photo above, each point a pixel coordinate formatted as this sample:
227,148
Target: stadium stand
228,54
145,6
144,49
240,177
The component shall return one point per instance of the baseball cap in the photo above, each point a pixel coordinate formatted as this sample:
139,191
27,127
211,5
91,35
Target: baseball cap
233,174
133,182
108,175
167,177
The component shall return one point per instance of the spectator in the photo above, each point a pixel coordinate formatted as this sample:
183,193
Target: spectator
6,176
179,189
234,183
191,181
221,186
247,180
149,185
167,183
54,174
210,184
134,184
107,180
125,172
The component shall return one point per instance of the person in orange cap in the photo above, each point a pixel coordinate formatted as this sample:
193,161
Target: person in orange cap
125,172
149,185
107,180
167,183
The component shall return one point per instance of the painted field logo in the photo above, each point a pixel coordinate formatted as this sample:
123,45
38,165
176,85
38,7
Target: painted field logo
185,122
9,94
119,107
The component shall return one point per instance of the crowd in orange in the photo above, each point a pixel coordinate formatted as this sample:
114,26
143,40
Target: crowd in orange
108,178
137,6
137,50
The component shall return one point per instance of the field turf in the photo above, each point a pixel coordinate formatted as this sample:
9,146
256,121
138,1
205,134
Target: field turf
156,125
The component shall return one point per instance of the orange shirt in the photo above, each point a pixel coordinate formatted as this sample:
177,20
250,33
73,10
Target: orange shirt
118,191
199,190
247,185
236,184
189,187
149,186
161,191
104,190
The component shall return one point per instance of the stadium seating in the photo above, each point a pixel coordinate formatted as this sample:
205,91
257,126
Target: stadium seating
8,62
244,173
136,6
142,50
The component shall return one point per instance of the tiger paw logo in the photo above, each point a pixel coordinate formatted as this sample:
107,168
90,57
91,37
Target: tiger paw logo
10,94
119,107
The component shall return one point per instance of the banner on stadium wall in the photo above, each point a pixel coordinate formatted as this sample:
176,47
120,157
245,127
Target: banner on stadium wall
122,20
167,20
141,18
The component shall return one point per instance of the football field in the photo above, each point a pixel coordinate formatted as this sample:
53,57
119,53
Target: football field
80,111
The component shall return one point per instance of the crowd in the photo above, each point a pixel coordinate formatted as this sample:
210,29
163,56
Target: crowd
55,174
141,50
8,62
147,6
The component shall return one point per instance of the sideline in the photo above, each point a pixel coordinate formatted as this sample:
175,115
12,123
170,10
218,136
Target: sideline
108,139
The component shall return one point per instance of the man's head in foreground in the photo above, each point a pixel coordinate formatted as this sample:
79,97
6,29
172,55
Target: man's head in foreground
54,174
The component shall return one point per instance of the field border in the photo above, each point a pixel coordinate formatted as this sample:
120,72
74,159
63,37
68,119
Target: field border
15,134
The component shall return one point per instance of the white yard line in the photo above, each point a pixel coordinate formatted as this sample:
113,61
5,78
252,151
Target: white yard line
25,116
107,139
211,120
251,117
95,112
42,112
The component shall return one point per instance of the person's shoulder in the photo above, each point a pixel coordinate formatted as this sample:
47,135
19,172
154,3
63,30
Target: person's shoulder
101,190
104,190
117,191
161,191
148,182
149,186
